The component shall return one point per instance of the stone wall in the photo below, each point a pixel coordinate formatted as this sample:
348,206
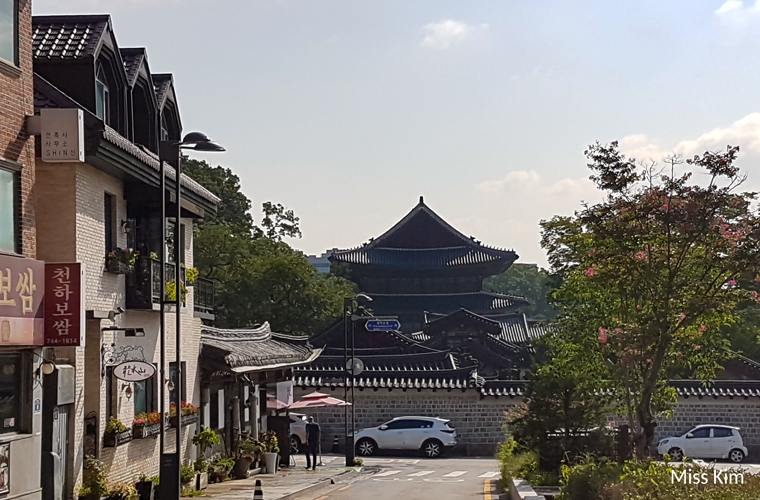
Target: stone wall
479,421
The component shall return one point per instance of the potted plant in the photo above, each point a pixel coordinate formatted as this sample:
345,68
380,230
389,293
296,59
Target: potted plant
116,433
95,484
122,491
186,476
145,487
188,413
171,290
246,449
121,260
270,447
219,469
201,473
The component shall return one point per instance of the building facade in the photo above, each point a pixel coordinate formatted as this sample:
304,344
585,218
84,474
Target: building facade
21,276
101,116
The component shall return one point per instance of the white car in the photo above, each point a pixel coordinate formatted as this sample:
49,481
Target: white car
431,435
297,432
706,441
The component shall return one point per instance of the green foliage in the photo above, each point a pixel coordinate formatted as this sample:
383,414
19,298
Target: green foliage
187,474
200,464
358,462
269,443
258,277
95,479
587,480
171,291
114,426
191,275
193,493
651,276
121,491
222,463
529,281
247,448
206,438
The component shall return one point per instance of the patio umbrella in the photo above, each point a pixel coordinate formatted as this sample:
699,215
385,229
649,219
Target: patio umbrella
317,400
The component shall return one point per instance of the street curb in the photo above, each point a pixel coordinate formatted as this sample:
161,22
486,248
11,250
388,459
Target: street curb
324,483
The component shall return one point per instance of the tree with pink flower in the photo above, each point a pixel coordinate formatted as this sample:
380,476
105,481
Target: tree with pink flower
654,273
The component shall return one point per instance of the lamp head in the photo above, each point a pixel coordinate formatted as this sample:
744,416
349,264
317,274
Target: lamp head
209,146
363,298
194,138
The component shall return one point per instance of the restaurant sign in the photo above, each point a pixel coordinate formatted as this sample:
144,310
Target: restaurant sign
63,304
21,308
134,371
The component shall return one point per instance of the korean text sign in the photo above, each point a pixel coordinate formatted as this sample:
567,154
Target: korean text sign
22,289
63,304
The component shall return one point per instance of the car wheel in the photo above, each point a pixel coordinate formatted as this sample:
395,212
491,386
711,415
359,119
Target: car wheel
736,455
366,447
295,444
676,454
432,448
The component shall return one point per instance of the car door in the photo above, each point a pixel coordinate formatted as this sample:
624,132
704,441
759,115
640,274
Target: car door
698,445
391,435
722,442
416,433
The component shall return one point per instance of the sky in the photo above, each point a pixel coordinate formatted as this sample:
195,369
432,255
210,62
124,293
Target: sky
347,111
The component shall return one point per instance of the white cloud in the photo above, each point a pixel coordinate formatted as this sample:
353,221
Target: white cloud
730,5
446,34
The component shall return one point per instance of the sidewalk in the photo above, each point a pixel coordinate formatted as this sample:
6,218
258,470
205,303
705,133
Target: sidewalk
287,484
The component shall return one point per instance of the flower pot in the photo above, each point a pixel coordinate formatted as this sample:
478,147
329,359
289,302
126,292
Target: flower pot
242,465
201,481
116,267
270,459
186,420
217,476
143,431
144,489
111,440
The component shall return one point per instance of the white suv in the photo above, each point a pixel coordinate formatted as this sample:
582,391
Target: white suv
297,432
706,441
431,435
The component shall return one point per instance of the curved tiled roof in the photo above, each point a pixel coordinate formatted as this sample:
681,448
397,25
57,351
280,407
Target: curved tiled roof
425,258
400,382
248,350
718,388
509,388
436,361
449,302
67,37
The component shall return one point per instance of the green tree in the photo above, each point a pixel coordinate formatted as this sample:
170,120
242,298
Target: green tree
258,277
653,273
529,281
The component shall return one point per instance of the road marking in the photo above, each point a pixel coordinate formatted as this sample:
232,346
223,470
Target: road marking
456,473
387,473
487,489
344,488
421,473
489,474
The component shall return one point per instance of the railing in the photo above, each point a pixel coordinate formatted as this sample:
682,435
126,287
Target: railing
203,297
144,283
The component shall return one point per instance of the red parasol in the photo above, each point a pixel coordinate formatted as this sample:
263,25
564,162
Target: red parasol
317,400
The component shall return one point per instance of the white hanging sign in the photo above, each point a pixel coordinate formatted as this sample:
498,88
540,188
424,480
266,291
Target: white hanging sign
134,371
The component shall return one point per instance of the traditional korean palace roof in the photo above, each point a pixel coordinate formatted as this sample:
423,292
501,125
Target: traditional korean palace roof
511,329
251,350
422,240
447,303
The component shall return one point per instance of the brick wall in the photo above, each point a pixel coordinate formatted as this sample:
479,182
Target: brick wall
16,102
479,421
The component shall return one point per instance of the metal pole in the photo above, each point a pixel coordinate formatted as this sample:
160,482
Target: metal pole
178,284
162,281
353,375
349,444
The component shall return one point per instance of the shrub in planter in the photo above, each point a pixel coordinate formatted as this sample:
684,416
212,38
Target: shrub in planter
121,491
95,484
145,487
206,438
116,433
186,475
219,469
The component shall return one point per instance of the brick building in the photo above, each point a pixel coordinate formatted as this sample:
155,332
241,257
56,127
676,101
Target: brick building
102,117
21,277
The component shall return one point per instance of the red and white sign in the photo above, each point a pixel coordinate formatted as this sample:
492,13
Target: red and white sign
63,304
21,307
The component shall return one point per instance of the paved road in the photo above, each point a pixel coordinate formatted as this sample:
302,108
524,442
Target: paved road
421,479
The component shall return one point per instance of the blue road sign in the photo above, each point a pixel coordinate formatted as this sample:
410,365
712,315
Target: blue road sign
382,325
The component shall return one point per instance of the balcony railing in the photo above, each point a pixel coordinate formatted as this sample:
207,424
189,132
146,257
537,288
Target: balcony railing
144,284
203,297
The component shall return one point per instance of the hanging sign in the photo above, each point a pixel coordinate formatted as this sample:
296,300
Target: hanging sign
63,304
134,371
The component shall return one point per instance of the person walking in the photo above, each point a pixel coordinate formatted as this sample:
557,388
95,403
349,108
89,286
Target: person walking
313,435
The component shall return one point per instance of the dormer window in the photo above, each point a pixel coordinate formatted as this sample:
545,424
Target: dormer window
164,128
101,95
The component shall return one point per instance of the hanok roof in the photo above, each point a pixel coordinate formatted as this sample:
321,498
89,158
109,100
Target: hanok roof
718,388
68,37
251,350
446,303
423,240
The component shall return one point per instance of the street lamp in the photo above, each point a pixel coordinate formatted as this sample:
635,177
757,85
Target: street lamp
349,304
170,151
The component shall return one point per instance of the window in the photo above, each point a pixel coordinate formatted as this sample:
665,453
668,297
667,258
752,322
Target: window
722,432
11,371
402,424
9,31
109,216
704,432
102,100
214,410
144,395
164,128
9,210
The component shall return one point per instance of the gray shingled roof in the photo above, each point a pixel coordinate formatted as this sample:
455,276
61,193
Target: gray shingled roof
133,58
67,37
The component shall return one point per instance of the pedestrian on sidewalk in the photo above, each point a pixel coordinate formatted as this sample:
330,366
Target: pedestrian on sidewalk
313,435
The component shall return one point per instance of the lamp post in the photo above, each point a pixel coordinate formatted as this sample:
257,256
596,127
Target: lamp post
170,152
349,305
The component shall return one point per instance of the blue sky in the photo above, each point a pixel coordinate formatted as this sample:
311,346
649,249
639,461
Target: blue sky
347,111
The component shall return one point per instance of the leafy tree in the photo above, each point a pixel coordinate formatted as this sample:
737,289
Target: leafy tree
653,273
529,281
258,277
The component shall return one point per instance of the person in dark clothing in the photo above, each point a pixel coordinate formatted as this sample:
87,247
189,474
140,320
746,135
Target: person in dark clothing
313,434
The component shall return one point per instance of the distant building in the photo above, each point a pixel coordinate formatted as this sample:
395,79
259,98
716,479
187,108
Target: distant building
322,262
